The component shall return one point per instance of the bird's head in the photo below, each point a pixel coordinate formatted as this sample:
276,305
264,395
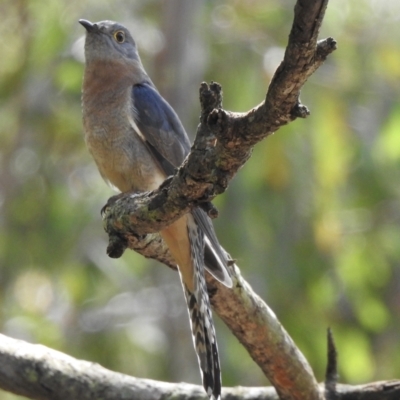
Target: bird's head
108,40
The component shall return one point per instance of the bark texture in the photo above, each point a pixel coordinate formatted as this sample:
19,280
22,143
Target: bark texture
41,373
224,142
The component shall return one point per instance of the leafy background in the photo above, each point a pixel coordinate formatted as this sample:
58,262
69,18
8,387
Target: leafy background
313,218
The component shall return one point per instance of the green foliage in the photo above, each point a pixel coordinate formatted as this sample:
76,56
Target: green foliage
313,218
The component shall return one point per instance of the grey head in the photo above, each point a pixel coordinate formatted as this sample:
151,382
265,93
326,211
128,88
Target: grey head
108,40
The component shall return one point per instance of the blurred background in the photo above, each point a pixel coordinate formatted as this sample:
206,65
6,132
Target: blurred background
313,218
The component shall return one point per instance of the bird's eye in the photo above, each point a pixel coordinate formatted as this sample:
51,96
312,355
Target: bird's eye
119,36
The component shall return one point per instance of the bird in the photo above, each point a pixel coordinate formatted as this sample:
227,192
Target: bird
137,140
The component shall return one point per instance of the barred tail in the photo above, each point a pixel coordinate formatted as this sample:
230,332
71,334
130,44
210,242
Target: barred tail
201,321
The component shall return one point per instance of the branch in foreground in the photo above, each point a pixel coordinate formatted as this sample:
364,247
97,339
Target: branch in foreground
41,373
268,343
223,143
224,139
253,323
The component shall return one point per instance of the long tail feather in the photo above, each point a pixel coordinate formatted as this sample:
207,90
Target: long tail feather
201,321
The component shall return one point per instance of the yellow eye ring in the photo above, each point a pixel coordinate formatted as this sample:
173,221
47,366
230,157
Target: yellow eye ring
119,36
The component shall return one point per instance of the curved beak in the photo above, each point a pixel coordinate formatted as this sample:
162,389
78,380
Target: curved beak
88,25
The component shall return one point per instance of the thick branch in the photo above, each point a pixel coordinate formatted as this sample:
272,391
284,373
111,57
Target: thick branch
225,140
253,323
256,327
41,373
223,143
260,332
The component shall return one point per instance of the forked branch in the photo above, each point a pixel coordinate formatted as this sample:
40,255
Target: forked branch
224,142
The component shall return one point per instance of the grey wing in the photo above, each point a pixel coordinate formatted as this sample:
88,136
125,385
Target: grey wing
168,142
160,126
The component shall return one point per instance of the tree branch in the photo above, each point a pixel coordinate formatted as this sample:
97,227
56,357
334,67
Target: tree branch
260,332
224,142
40,373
